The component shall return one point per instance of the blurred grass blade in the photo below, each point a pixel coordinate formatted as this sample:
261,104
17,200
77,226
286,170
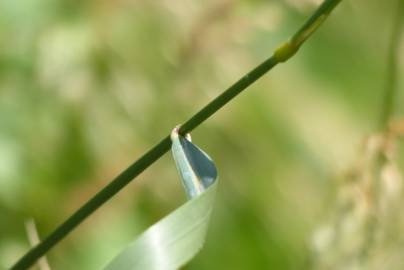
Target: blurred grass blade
33,238
178,237
171,242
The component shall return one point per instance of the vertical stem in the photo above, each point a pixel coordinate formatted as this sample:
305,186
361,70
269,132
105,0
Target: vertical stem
33,238
392,66
386,113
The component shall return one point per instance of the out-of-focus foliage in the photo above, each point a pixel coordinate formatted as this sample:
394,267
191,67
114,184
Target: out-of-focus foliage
87,86
365,228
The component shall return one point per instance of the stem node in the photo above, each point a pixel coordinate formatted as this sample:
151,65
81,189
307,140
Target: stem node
285,51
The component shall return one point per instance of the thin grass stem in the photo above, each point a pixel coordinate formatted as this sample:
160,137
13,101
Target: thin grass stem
282,54
390,92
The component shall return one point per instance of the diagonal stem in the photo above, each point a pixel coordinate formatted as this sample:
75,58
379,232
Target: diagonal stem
282,54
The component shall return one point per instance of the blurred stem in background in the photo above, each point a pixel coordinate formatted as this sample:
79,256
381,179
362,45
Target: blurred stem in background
387,110
390,93
33,238
282,54
365,218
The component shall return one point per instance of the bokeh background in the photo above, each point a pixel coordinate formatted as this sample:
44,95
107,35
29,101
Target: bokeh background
86,87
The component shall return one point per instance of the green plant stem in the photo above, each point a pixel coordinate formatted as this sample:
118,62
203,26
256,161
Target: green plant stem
392,67
387,110
282,54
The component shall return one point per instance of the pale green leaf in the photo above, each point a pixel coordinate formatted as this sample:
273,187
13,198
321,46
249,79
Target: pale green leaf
178,237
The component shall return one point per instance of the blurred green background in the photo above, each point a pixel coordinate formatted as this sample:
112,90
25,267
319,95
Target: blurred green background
86,87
